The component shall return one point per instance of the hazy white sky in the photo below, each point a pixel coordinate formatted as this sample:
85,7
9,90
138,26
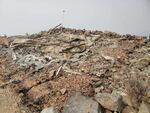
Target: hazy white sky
122,16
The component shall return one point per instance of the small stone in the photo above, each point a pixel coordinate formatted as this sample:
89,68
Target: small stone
50,110
58,93
99,83
63,91
114,70
81,104
112,101
144,108
21,95
95,79
97,90
102,87
22,111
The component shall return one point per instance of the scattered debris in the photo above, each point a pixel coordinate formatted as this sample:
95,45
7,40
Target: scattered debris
45,69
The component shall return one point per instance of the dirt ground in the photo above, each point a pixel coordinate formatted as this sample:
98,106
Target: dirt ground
9,102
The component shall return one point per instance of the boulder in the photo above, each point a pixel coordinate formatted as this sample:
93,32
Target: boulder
78,103
112,101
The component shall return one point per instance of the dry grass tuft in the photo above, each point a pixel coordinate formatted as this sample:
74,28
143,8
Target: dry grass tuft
136,91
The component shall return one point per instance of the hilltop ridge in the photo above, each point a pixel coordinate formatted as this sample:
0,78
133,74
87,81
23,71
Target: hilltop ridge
48,68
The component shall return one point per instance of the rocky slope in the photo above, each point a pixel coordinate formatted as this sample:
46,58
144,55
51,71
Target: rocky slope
77,71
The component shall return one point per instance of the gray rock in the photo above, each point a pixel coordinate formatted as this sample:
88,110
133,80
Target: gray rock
144,108
50,110
32,60
81,104
112,102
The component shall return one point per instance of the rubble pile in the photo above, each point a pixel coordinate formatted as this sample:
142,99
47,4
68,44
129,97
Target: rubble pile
68,71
